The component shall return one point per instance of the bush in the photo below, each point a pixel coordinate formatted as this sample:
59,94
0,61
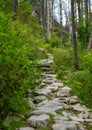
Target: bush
54,41
81,82
87,60
62,56
17,72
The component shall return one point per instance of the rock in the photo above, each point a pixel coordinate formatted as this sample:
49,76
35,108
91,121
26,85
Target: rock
48,75
78,107
65,106
43,91
42,62
74,118
59,127
57,84
47,110
64,92
73,99
48,81
42,103
59,118
53,103
69,100
39,98
42,85
26,128
46,69
53,88
39,121
71,127
84,115
64,126
49,107
90,115
88,120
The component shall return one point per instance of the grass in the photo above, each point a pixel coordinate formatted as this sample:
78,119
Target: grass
49,97
89,127
59,111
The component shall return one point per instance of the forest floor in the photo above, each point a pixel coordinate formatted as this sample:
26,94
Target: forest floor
54,106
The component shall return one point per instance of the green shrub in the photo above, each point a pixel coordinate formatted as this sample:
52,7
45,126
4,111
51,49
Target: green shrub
81,83
87,61
17,72
54,41
79,80
62,56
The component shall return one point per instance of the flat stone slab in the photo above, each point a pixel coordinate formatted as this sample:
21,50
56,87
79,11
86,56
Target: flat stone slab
49,107
53,103
73,99
26,128
71,127
64,126
75,118
53,88
88,120
40,98
44,91
49,81
57,84
47,110
58,118
78,107
69,100
58,127
42,103
39,121
49,75
84,115
64,92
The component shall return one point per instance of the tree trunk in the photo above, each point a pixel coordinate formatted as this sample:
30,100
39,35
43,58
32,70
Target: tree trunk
90,43
48,19
86,13
90,13
76,64
79,10
15,9
60,2
43,19
82,9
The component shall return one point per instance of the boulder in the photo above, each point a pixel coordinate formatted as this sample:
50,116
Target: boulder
43,91
78,107
59,127
39,121
64,92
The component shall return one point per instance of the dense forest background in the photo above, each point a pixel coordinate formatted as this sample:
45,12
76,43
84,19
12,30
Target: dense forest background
28,30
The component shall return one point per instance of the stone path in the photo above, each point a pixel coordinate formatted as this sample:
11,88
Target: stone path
55,108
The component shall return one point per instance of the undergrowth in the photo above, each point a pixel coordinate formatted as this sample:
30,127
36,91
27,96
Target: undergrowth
79,80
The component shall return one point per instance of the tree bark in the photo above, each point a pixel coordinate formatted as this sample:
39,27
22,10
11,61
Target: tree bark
76,63
79,10
15,9
86,13
60,2
90,43
48,19
43,19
